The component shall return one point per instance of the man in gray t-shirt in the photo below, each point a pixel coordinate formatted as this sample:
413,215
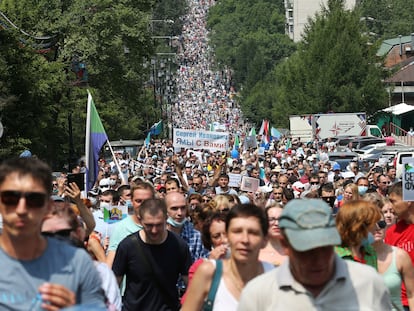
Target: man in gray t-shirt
38,272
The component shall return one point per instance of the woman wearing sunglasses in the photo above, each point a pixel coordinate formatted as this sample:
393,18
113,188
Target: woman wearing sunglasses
394,264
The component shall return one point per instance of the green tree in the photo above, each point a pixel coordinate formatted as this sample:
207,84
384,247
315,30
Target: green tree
111,38
334,68
388,18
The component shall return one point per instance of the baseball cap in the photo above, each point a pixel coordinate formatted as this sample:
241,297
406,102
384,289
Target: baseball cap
104,184
309,224
336,167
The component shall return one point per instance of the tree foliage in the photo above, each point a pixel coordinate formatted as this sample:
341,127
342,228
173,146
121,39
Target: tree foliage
333,70
41,95
388,18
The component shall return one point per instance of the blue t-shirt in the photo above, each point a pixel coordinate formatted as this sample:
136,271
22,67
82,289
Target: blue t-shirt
60,263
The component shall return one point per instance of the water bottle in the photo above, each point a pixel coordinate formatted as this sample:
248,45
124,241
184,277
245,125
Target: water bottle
37,303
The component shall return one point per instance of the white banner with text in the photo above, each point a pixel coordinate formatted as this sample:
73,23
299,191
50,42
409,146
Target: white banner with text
196,139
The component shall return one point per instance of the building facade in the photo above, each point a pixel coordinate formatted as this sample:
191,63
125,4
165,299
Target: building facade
299,11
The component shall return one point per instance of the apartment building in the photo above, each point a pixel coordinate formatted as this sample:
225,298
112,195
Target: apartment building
298,12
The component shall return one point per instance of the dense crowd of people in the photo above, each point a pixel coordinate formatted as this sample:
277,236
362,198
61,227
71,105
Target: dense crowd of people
274,228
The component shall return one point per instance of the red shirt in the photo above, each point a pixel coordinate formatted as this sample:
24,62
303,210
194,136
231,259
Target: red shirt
402,235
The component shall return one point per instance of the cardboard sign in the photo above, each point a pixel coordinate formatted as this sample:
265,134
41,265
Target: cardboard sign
408,179
234,180
249,184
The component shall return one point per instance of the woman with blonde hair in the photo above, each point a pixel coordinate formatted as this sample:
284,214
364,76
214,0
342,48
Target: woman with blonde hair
385,206
388,211
223,204
350,193
355,221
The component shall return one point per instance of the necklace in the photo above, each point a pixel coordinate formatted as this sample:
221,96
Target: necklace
238,282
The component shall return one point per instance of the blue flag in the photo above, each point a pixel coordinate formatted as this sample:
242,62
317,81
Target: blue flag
95,139
156,129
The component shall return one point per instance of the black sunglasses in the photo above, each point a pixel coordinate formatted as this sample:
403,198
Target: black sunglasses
33,199
64,233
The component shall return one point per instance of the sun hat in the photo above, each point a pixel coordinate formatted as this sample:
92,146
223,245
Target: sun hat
309,224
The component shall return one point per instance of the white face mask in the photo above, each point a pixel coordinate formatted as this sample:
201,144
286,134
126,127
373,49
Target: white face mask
103,205
112,182
362,190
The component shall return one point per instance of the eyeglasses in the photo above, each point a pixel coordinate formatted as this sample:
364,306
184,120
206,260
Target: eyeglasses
381,224
196,184
206,200
314,183
272,220
277,193
386,182
33,199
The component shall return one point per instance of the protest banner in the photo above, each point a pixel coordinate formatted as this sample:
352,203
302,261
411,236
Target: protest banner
408,179
234,180
197,139
249,184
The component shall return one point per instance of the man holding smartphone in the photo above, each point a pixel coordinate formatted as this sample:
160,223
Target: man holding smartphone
38,272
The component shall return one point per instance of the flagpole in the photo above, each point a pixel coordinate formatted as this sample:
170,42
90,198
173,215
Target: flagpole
125,182
87,137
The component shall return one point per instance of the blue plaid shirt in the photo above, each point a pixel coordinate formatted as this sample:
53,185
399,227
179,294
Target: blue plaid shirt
193,239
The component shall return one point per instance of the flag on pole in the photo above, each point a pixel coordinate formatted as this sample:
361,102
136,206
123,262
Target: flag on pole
148,140
236,144
262,127
94,140
156,129
275,133
252,132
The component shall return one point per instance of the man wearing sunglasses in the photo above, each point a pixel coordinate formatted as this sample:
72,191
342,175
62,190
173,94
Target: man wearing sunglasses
36,270
198,186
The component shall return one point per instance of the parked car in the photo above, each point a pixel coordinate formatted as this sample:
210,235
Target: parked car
343,158
398,163
379,148
358,142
